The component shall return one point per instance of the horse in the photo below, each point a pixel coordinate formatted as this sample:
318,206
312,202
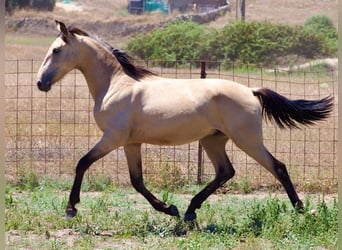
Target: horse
133,105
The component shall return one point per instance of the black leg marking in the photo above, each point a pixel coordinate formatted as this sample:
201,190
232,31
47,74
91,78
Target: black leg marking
133,155
85,162
214,146
284,178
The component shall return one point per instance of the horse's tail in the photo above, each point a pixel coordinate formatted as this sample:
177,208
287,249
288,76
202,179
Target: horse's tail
292,113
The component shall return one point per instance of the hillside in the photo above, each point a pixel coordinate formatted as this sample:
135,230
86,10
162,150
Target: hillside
110,20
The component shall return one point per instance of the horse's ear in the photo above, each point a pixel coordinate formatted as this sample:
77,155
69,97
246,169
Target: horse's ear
62,28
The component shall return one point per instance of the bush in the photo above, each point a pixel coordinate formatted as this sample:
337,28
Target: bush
178,41
322,25
263,42
246,42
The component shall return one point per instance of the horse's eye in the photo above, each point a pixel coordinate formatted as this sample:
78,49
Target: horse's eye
56,50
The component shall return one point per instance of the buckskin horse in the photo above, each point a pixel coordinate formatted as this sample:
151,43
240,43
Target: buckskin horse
132,105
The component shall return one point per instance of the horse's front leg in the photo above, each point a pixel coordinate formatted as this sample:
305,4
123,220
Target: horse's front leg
214,145
103,147
133,155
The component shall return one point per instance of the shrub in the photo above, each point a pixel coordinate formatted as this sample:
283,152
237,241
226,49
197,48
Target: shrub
263,42
322,25
178,41
165,177
246,42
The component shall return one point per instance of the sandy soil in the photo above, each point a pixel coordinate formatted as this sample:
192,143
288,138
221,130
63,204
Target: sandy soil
291,11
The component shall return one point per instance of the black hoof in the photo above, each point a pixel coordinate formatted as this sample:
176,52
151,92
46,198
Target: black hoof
174,211
70,213
190,217
299,207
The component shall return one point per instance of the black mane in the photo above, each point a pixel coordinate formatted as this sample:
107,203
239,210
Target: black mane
132,70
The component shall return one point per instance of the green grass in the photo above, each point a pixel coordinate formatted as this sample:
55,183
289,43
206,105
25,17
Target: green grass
119,218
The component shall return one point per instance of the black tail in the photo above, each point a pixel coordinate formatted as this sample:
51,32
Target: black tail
292,113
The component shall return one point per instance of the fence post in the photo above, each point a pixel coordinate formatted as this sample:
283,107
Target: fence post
200,148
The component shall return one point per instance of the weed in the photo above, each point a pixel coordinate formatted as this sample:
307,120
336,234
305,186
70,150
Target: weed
9,201
233,185
166,177
228,222
27,179
246,186
97,183
48,182
56,244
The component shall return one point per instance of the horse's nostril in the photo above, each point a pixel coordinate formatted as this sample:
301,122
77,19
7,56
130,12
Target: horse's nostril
43,87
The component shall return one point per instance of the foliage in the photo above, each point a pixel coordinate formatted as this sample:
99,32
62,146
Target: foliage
246,42
178,41
165,177
115,217
27,179
263,42
11,5
323,26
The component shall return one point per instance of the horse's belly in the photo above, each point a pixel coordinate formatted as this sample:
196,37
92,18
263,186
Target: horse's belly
167,140
171,134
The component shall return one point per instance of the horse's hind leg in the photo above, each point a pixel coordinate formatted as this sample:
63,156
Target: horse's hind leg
214,145
133,155
277,168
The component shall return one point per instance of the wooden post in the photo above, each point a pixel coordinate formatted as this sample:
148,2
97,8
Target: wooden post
203,73
200,148
237,10
243,10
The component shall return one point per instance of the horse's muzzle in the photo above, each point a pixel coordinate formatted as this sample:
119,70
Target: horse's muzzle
44,86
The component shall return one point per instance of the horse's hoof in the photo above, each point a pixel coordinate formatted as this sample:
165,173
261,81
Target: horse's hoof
190,217
174,211
299,207
70,213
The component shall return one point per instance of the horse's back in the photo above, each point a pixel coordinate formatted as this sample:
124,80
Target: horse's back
194,95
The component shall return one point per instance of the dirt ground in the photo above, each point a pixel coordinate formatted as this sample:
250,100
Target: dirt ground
291,11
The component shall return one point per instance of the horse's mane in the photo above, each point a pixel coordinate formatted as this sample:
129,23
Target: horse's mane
132,70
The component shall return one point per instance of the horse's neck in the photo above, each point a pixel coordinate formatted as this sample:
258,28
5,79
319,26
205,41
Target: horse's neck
98,72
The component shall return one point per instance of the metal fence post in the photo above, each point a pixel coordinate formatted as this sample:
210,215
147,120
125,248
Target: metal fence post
200,148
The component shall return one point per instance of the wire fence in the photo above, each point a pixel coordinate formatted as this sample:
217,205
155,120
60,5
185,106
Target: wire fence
49,133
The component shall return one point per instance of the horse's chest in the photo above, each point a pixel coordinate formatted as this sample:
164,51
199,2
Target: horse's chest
111,117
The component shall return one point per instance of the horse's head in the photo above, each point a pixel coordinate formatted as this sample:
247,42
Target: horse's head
59,60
